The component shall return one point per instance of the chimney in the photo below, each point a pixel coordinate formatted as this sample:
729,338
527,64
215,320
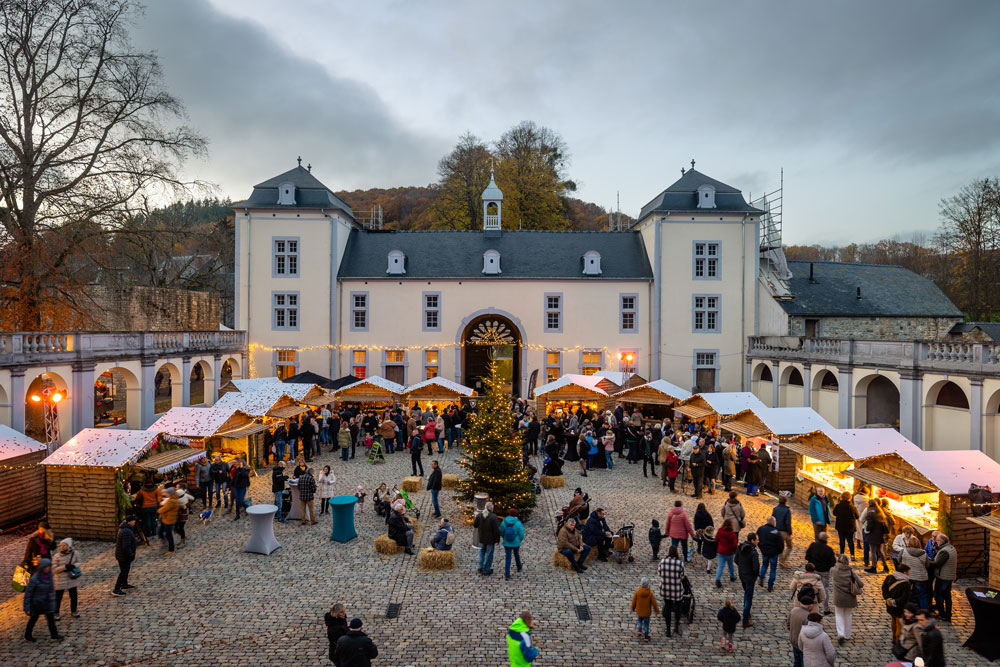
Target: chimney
859,292
811,278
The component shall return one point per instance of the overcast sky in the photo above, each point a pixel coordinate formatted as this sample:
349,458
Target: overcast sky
875,110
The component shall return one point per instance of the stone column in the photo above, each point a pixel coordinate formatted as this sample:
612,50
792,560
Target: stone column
147,386
775,384
749,376
807,385
185,381
18,398
212,395
845,392
81,399
911,406
976,413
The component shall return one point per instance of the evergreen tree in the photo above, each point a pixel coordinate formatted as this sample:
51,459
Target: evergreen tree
492,454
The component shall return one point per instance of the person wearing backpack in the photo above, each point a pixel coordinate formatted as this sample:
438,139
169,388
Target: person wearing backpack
445,537
512,533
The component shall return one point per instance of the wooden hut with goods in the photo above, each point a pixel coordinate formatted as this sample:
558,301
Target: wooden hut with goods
776,426
930,491
991,524
572,391
85,477
657,398
311,395
436,392
22,480
217,430
713,408
821,457
372,391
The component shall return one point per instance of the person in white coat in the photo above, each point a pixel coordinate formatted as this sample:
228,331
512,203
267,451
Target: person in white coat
324,488
817,649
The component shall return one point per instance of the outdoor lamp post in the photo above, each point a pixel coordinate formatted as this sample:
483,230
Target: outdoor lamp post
626,366
50,397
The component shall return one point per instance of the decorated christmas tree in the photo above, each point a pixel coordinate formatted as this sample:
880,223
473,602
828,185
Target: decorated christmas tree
492,455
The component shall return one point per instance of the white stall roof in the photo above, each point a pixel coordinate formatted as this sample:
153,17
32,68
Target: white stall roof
103,448
661,386
731,402
617,377
589,382
255,403
450,385
791,421
375,381
193,422
252,384
862,443
953,471
14,443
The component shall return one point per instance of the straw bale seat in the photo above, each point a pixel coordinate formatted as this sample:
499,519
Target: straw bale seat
412,484
385,545
554,482
560,561
449,481
432,559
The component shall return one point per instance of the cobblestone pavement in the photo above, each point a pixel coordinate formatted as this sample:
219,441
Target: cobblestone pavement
212,604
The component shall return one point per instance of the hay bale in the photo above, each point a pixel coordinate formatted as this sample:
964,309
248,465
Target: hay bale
413,521
384,545
449,481
412,484
560,561
555,482
432,559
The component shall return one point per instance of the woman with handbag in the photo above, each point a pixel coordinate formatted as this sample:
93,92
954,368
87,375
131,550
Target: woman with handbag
846,589
66,568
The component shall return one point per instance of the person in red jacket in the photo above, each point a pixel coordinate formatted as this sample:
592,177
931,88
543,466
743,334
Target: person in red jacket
727,540
679,528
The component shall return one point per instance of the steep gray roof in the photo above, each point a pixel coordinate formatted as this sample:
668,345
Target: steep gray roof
991,329
309,192
683,196
523,254
886,291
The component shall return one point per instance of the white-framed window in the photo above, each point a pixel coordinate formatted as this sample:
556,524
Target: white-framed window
591,361
394,366
553,312
628,313
432,311
491,261
431,366
359,311
706,260
285,363
285,311
591,263
359,364
705,315
397,262
553,365
285,257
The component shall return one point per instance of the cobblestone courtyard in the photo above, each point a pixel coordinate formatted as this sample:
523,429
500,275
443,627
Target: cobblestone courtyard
211,604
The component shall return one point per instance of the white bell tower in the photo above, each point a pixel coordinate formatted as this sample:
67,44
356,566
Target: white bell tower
492,203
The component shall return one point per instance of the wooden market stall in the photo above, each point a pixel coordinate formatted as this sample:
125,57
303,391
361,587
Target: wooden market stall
372,391
930,491
775,426
658,393
569,392
436,392
991,523
714,408
821,457
312,395
217,430
85,477
621,380
248,384
22,480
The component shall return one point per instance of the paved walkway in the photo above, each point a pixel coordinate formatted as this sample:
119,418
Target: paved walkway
211,604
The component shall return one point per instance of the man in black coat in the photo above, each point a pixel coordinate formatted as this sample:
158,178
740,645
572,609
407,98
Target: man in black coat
821,555
597,533
355,649
534,430
124,554
697,464
932,646
748,564
771,546
434,485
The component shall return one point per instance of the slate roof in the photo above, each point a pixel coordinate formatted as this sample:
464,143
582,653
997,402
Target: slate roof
309,193
683,196
886,291
991,329
523,254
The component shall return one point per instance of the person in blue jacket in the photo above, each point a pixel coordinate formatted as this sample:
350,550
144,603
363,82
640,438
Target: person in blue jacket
519,646
783,517
511,535
597,533
40,598
819,512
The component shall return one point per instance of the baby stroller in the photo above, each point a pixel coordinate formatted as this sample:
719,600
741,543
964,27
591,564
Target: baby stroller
687,601
621,543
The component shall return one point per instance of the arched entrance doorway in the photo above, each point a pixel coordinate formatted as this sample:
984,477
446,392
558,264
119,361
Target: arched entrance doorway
486,335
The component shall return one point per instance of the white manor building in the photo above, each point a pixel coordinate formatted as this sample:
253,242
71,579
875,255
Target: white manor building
682,290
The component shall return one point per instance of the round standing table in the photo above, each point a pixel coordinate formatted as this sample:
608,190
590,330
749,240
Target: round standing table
295,509
262,540
342,511
987,614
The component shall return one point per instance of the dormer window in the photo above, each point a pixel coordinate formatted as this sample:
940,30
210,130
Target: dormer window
397,262
491,262
592,263
286,194
706,196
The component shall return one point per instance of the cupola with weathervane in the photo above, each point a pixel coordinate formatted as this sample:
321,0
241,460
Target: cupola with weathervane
492,202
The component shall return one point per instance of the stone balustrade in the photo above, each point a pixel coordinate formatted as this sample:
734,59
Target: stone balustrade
24,348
